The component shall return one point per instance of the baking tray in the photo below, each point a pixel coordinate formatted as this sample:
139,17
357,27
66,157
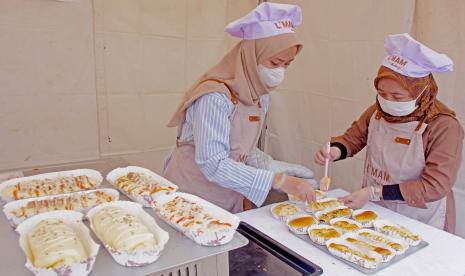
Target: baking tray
411,250
179,252
283,253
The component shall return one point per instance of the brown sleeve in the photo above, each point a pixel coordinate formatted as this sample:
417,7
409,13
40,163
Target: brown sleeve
443,153
355,138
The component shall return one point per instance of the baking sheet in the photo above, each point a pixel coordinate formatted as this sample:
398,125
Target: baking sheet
411,250
179,251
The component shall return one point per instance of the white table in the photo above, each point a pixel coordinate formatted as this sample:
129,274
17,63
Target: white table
445,254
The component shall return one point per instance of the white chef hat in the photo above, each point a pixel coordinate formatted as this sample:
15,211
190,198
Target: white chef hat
267,19
410,58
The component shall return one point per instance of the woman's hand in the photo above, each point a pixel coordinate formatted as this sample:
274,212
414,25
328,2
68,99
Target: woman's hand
357,199
298,187
322,154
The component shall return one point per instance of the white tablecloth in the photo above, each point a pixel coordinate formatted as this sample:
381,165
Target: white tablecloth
445,254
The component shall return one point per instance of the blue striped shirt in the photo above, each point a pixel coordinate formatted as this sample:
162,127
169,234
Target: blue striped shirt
207,122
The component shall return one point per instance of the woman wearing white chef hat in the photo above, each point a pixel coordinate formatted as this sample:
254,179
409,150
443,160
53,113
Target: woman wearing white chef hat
414,141
221,116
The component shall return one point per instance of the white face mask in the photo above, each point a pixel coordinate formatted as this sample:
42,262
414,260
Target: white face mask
398,108
272,77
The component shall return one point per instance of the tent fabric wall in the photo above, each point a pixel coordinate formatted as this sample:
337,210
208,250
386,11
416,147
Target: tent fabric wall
47,83
99,78
148,53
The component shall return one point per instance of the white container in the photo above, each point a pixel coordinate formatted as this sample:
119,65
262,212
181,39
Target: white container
397,245
342,230
300,230
94,176
206,237
322,204
367,223
283,218
139,257
318,239
72,219
145,200
318,195
370,264
293,198
22,203
319,215
370,245
405,234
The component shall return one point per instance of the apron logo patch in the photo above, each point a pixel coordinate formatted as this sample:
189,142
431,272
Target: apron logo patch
254,118
401,140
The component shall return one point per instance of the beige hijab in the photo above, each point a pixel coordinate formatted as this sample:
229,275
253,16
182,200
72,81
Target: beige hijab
237,73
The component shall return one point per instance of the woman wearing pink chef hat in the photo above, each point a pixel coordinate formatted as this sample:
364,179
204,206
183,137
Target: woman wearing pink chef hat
221,116
414,142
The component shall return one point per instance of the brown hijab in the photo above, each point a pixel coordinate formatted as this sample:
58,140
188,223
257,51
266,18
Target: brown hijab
237,73
429,107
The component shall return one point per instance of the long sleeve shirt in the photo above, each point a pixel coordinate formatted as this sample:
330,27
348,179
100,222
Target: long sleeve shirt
208,125
442,142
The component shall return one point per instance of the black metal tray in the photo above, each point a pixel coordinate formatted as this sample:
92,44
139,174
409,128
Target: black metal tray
283,253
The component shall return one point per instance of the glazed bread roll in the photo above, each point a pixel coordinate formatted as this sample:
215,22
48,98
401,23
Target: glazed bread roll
322,204
338,212
325,233
191,215
366,216
348,250
285,209
53,244
73,201
123,231
377,249
141,184
48,186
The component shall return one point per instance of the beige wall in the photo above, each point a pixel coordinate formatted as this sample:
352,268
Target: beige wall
47,83
148,53
441,24
91,79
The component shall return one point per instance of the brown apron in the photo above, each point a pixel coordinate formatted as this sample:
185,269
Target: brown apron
395,154
246,125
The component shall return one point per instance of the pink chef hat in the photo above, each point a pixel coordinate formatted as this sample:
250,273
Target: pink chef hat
267,19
